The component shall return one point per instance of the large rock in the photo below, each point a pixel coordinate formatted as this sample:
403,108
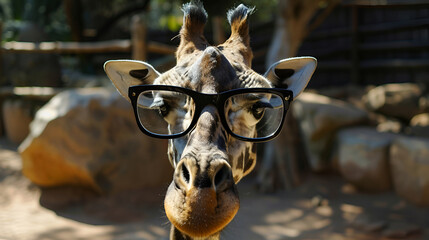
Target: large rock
319,118
419,125
390,126
89,138
364,158
410,169
401,100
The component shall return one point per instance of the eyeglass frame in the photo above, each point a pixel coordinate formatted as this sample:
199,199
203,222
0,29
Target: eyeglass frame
217,100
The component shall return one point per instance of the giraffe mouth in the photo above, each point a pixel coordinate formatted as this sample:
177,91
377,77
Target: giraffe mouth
200,212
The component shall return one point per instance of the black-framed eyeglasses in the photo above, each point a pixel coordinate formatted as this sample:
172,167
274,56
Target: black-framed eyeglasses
248,114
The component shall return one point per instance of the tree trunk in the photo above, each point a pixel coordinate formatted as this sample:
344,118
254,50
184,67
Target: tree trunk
282,157
293,24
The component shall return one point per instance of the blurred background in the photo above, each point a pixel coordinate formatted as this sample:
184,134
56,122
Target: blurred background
352,161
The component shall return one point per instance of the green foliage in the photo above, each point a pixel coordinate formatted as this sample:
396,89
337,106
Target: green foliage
164,14
46,13
17,7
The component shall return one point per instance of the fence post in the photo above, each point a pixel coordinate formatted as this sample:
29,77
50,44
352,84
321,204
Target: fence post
138,39
1,79
218,33
355,76
1,54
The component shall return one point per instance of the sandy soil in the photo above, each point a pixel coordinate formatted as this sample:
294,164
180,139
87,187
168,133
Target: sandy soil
323,207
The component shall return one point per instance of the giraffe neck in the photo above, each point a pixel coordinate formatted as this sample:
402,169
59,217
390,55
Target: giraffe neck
175,234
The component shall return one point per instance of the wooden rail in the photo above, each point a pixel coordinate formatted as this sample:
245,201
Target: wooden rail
372,29
82,47
137,45
67,47
42,93
381,3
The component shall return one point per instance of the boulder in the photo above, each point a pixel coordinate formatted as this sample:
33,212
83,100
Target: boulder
390,126
17,117
409,163
419,125
364,158
401,100
89,138
319,118
420,120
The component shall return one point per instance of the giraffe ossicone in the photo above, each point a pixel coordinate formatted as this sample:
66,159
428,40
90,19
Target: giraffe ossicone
206,116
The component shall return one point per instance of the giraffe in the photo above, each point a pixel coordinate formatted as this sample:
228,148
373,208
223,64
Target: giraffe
209,107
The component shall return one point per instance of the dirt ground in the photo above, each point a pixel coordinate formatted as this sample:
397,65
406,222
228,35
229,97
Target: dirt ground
323,207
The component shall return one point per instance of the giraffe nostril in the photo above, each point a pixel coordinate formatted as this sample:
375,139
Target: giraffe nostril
221,178
185,173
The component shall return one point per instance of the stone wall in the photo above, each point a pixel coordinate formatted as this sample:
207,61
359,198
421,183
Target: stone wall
378,141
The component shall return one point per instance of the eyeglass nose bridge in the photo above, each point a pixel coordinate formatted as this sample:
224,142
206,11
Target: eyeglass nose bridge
202,102
207,99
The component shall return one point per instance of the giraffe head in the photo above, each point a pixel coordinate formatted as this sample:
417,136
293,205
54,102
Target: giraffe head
211,122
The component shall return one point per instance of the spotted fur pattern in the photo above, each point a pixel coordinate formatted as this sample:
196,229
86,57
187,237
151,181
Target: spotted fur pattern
211,69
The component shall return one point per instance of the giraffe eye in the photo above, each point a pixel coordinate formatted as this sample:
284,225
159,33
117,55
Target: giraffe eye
162,107
164,110
258,109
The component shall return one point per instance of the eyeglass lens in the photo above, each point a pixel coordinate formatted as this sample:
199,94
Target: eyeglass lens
248,112
165,112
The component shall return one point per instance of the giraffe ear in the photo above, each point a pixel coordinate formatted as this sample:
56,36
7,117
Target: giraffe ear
293,73
126,73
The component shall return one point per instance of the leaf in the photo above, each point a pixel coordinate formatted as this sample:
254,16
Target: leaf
172,23
17,9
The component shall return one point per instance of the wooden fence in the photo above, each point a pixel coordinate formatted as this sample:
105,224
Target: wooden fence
361,44
139,46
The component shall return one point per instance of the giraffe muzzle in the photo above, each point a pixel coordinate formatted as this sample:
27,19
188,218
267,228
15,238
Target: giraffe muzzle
202,198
